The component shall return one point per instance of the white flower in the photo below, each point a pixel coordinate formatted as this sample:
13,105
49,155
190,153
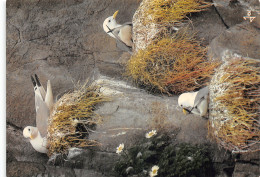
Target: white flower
190,158
120,148
154,171
150,134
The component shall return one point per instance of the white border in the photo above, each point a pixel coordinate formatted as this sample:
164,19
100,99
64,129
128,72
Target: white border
3,87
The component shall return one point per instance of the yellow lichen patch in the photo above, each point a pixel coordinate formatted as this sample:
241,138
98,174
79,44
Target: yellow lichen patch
171,65
171,11
72,120
235,106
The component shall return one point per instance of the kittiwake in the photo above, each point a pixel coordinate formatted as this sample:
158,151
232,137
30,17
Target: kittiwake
195,102
43,105
122,33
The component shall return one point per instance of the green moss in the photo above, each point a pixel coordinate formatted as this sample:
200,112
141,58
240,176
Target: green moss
185,160
173,160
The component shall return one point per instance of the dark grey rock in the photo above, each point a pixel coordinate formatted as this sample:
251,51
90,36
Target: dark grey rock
60,171
18,169
233,11
207,25
252,157
88,173
242,39
246,170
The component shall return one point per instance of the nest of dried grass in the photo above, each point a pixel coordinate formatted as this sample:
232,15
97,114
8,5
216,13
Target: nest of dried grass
235,105
153,17
173,64
73,118
171,11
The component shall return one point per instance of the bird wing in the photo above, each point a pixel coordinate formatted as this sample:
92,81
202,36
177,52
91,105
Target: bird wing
202,93
40,87
42,114
120,43
125,35
49,96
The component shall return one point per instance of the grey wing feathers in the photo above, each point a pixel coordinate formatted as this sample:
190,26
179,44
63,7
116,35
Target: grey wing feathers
127,23
120,43
202,93
42,114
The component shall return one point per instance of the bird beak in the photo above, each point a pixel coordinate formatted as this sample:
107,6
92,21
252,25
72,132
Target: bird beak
115,14
31,137
184,111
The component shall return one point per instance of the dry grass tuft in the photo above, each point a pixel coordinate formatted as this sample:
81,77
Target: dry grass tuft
154,16
171,65
171,11
72,120
235,109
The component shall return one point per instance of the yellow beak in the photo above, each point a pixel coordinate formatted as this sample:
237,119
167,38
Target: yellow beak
184,111
115,14
31,137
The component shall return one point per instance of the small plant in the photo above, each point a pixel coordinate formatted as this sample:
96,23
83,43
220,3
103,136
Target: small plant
72,118
157,156
171,65
185,160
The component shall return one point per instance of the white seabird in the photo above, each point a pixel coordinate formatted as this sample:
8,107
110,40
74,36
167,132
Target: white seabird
195,102
43,105
122,33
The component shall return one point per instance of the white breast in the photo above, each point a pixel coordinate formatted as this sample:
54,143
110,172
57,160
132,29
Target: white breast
39,143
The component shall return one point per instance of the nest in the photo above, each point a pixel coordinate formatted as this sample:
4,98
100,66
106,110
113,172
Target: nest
72,119
173,64
155,16
235,105
171,11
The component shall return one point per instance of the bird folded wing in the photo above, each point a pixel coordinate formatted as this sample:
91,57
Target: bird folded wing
49,96
120,43
202,94
42,115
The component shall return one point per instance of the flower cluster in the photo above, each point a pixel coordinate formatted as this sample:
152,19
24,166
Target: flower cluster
155,168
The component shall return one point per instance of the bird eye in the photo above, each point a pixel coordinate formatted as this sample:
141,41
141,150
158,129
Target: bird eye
29,129
109,21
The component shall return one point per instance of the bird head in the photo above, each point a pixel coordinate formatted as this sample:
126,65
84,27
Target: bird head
183,102
30,132
110,23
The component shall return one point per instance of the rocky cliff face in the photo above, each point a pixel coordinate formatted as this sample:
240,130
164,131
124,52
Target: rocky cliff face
64,41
